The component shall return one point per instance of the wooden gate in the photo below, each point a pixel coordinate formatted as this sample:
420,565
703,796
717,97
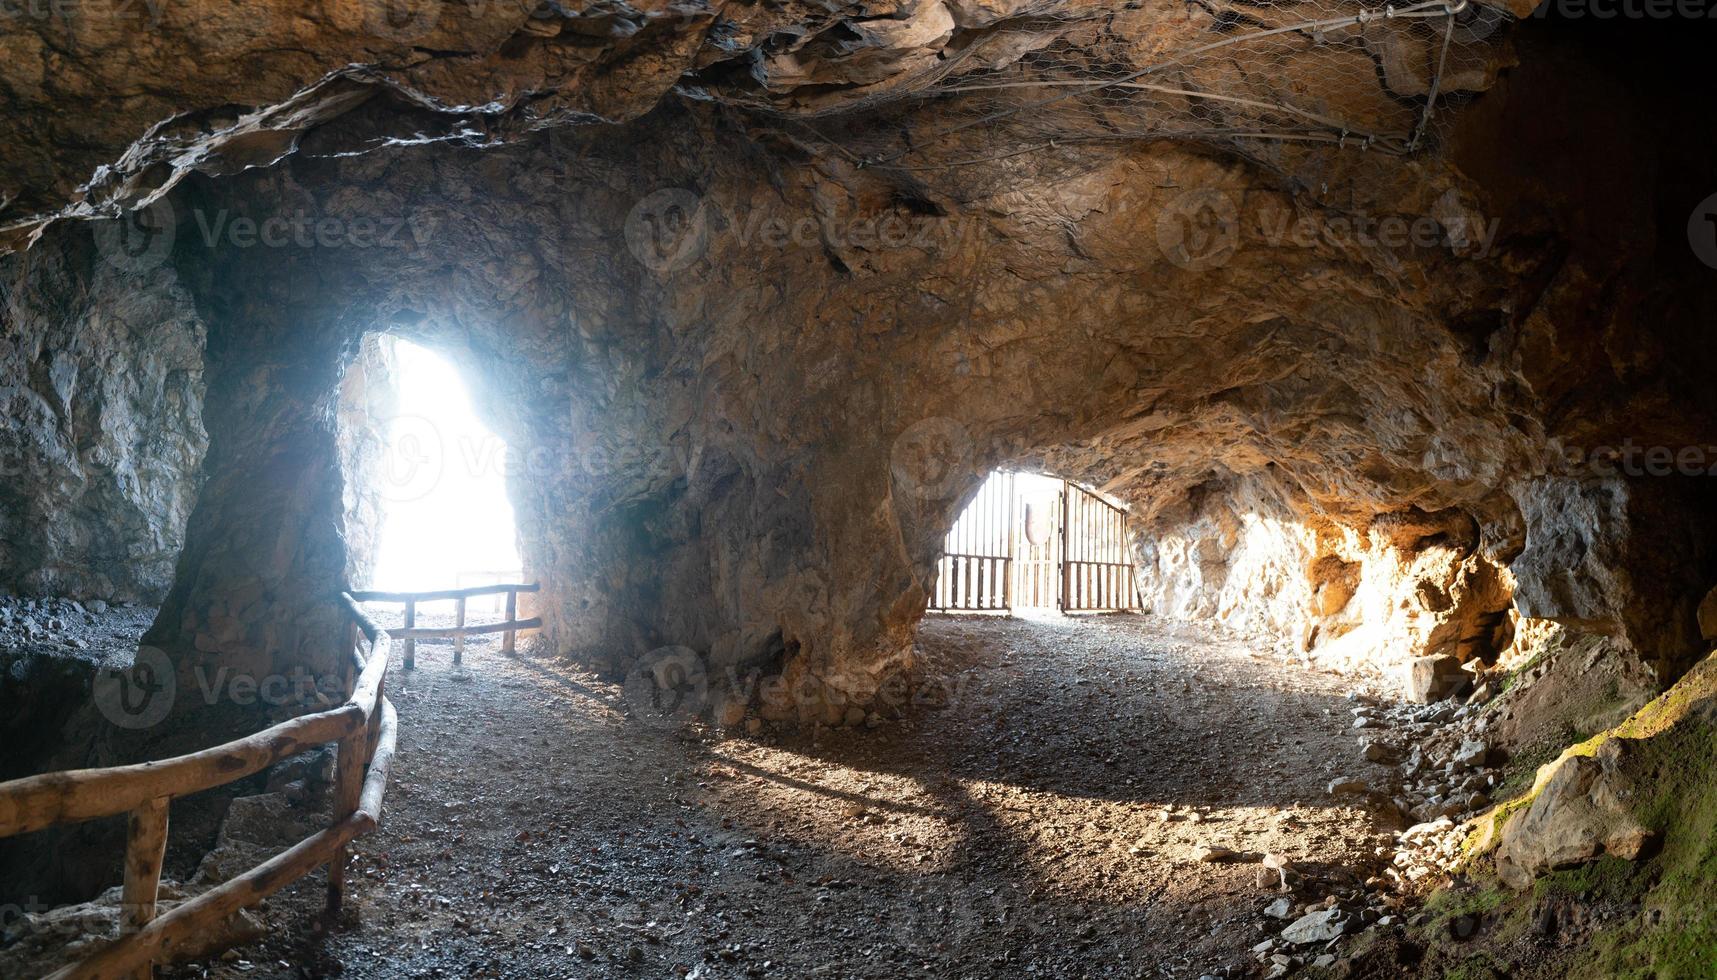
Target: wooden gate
1037,574
1096,570
1027,541
976,569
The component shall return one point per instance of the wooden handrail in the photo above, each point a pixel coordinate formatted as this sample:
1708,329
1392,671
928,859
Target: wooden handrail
376,595
442,632
411,632
37,802
366,727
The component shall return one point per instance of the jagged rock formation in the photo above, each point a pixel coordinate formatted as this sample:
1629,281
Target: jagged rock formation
750,371
1404,585
101,383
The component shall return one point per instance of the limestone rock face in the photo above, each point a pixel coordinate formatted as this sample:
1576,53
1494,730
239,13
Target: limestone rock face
101,380
111,105
368,401
1601,554
1258,558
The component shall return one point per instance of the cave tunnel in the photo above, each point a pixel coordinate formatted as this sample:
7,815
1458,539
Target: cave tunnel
959,489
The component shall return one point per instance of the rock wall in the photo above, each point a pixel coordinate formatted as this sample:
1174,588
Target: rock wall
101,380
749,381
1404,585
368,401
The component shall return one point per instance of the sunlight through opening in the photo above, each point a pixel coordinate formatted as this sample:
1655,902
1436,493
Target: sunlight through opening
446,522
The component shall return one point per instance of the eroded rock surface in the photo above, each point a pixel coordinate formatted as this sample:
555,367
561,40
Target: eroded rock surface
101,382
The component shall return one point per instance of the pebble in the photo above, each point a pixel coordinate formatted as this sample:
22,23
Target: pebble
1217,854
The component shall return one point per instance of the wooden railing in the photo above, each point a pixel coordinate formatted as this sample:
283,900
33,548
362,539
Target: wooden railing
411,633
365,728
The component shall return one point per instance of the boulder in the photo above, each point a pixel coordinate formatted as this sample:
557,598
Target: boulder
1436,678
1472,754
1581,814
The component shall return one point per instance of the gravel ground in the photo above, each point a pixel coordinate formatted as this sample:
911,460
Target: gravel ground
1043,816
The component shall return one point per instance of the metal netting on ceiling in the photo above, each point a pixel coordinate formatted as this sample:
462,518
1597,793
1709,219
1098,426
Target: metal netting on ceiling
1258,76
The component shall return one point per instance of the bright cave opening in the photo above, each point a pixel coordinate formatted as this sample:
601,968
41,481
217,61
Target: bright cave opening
1034,544
445,519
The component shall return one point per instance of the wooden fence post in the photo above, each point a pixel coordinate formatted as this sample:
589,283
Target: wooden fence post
508,642
145,848
459,638
410,645
348,786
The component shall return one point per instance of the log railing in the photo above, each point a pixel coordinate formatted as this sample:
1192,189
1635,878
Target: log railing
411,632
365,728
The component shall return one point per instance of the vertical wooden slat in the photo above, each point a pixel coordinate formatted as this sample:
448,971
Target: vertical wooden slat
410,645
145,848
348,784
459,638
509,642
1008,586
1067,594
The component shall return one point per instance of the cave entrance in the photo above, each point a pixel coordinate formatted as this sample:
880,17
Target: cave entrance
445,519
1028,541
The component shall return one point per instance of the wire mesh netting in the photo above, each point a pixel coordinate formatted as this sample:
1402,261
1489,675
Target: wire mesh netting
1257,76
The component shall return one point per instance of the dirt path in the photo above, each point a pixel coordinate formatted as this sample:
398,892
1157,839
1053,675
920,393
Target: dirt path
534,829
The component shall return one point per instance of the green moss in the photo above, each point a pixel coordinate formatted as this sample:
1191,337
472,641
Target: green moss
1652,919
1674,935
1519,772
1479,967
1606,879
1447,903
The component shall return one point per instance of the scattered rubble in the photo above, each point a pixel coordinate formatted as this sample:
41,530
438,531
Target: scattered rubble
66,627
1432,768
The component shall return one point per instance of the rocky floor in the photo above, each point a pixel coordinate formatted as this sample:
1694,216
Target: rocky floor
1115,796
